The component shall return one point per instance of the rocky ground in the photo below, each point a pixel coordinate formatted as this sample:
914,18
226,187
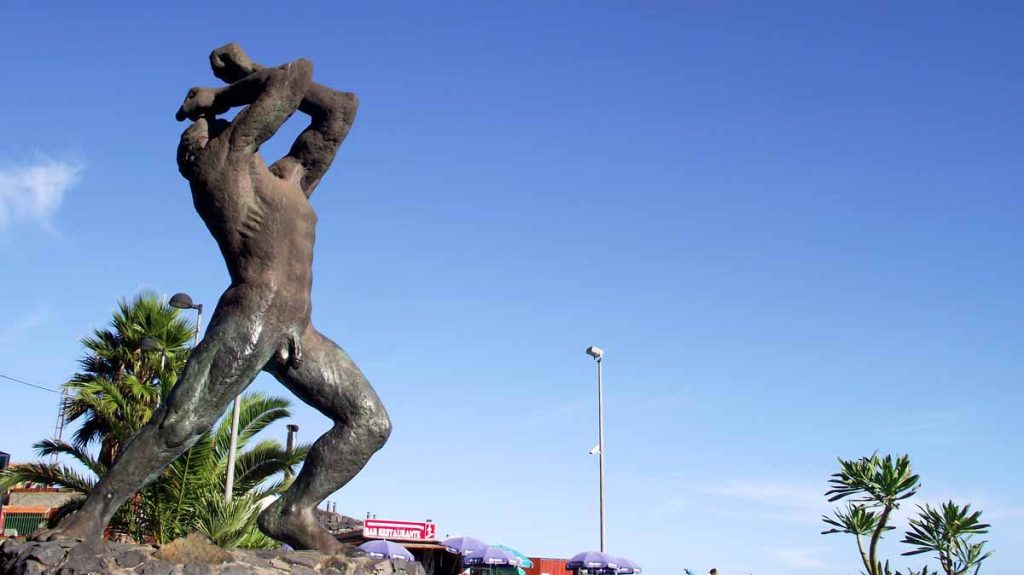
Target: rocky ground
192,555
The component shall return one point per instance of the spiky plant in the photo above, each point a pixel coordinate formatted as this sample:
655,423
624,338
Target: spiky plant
876,486
948,531
232,523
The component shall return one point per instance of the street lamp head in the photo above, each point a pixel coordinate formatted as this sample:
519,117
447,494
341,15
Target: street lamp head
182,301
595,352
149,343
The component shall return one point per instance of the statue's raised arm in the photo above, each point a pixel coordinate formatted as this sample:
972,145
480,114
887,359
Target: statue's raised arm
331,113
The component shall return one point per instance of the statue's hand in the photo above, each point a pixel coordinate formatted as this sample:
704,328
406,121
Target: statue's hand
230,63
198,102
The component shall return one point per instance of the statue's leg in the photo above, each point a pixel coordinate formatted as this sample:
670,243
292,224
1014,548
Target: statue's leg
329,381
223,365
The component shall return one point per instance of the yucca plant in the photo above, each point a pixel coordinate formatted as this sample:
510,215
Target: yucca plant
231,524
948,531
876,486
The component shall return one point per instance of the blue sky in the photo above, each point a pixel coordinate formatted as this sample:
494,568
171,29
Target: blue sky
793,227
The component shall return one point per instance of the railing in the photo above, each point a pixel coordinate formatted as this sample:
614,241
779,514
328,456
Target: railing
22,523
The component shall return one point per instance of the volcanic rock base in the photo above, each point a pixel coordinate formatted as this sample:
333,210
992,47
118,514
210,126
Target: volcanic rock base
188,556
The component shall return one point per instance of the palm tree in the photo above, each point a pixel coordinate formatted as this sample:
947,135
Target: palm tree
189,495
120,385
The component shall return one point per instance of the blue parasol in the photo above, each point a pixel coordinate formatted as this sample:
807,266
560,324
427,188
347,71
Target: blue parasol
524,561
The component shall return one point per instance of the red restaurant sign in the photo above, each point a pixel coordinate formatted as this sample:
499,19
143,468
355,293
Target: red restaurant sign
407,530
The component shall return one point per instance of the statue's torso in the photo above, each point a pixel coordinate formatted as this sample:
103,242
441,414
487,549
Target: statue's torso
264,225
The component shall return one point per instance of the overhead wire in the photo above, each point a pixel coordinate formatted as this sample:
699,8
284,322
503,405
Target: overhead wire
30,384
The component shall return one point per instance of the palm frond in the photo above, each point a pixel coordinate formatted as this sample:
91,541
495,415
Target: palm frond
231,523
258,411
263,461
67,508
45,474
48,447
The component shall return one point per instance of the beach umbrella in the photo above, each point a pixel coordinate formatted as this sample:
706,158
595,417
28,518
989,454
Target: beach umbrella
386,549
592,560
491,556
627,567
463,545
524,561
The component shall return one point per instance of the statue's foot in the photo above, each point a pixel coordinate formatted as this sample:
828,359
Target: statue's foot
75,527
298,528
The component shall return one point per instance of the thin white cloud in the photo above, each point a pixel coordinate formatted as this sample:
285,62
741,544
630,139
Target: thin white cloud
775,501
776,494
800,557
16,328
33,192
927,422
1003,513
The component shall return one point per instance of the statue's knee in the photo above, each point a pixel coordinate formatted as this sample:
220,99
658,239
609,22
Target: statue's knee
372,424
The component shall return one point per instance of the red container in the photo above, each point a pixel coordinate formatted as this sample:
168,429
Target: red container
547,566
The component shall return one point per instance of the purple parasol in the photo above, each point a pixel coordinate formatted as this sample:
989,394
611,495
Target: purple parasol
592,560
627,567
463,545
386,549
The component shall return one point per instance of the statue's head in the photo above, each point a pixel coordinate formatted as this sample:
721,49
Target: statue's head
194,139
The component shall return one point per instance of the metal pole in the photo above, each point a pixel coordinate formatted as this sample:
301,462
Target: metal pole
163,362
199,321
290,447
229,482
600,443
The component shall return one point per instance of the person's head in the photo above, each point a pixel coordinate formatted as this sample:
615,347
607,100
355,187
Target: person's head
714,571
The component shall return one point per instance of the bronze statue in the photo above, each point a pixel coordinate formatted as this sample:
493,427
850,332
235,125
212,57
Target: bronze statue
264,225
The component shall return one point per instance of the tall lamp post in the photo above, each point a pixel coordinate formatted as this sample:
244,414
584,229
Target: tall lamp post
598,353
